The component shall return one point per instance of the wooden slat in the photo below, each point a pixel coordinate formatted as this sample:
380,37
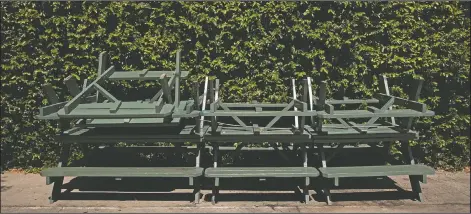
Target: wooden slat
143,73
105,93
76,100
253,113
365,113
369,171
165,88
102,65
115,107
123,172
254,105
177,80
72,85
150,75
51,95
406,103
261,172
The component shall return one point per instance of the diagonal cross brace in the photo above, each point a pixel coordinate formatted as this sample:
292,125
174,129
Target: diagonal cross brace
272,122
105,93
385,107
76,100
237,119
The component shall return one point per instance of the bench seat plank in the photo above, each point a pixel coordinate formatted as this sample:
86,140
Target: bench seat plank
371,171
123,172
365,113
132,122
149,75
122,112
261,172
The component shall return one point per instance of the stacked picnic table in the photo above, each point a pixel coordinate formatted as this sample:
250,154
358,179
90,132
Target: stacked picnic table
307,123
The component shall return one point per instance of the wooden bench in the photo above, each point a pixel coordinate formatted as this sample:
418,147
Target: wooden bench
119,172
261,172
372,171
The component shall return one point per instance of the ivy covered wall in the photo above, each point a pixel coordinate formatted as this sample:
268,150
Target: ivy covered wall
255,48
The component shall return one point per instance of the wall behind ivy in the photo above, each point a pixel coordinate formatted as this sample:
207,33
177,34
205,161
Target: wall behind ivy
255,48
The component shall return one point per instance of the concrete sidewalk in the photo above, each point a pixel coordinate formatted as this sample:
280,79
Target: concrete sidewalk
444,193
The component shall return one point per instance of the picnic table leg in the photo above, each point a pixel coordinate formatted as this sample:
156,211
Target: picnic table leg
306,182
197,189
414,180
326,182
198,180
215,190
56,189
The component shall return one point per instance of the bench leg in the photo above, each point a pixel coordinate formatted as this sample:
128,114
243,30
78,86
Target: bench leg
56,189
415,184
306,190
197,189
325,181
215,191
326,185
414,179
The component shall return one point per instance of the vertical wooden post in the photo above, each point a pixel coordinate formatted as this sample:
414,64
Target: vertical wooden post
215,190
414,95
102,65
306,184
64,158
321,103
211,100
196,98
326,182
177,80
203,107
296,119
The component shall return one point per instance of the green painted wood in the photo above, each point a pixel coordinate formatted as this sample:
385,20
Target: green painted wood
167,109
123,172
76,100
143,73
351,101
72,85
177,79
134,122
105,93
253,105
124,105
420,107
115,107
192,114
50,111
121,113
261,172
150,75
370,171
253,113
366,113
144,134
51,95
165,88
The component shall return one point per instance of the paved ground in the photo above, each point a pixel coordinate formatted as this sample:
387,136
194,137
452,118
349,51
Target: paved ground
444,192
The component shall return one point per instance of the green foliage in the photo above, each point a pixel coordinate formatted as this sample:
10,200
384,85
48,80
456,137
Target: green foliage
253,47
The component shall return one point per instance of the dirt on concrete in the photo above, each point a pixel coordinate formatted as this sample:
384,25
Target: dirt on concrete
444,192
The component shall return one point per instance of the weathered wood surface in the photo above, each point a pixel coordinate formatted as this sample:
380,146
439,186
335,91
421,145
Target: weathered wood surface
369,171
123,172
261,172
366,113
136,134
149,75
125,110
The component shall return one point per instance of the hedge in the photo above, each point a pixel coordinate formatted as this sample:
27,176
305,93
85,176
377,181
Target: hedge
255,48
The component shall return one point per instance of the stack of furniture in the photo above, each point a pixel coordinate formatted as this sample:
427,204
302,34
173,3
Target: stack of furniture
302,124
